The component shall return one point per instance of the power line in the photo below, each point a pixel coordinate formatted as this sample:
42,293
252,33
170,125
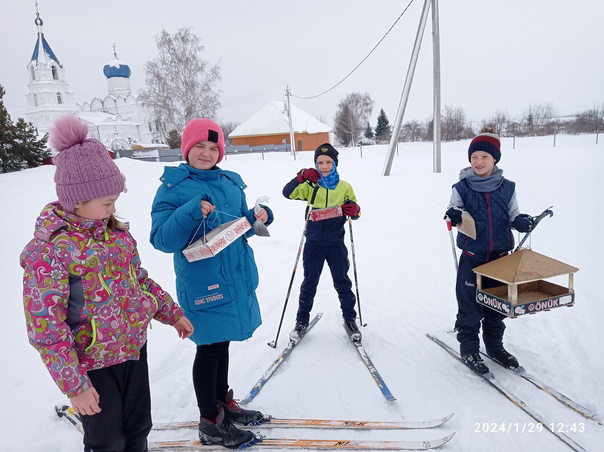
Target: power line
362,61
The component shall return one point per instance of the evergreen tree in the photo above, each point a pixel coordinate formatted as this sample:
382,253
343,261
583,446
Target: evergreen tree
28,147
19,144
382,129
174,140
368,132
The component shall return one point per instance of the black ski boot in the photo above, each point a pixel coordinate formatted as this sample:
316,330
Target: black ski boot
223,433
353,330
475,362
504,358
298,332
234,413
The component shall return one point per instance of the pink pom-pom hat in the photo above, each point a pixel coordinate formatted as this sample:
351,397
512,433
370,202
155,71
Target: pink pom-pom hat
84,168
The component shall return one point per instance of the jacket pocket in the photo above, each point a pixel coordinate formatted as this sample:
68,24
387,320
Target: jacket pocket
206,285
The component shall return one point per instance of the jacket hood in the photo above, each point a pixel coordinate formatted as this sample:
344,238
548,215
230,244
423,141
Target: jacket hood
53,218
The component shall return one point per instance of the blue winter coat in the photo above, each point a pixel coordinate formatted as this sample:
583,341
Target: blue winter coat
224,285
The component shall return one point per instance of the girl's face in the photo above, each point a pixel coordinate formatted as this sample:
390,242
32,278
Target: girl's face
203,155
482,163
98,208
324,164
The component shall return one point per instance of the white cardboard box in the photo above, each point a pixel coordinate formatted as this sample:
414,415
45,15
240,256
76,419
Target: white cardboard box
217,239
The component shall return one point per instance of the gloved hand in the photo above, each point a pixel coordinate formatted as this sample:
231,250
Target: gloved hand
523,223
351,209
309,174
454,215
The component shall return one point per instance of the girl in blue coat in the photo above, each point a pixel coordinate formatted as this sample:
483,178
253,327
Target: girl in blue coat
217,293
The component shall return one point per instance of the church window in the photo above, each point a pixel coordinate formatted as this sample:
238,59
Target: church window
35,100
32,73
55,73
59,98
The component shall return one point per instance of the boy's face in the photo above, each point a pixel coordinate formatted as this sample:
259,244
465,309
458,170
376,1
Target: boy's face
482,163
98,208
324,164
203,155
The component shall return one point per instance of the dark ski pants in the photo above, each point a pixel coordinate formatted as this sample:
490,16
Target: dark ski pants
210,377
125,400
470,313
314,257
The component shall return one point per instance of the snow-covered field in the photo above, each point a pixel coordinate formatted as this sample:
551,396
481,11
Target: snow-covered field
406,280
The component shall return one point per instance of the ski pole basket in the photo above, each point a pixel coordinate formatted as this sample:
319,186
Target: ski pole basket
524,290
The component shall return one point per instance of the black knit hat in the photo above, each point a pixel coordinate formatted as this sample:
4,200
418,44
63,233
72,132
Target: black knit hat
327,149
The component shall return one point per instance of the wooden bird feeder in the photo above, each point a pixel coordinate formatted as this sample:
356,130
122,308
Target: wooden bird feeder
525,291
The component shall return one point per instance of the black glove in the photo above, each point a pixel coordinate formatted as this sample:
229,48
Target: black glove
454,215
523,223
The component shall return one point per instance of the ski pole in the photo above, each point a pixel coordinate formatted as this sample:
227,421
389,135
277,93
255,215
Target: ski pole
450,228
354,267
536,220
273,344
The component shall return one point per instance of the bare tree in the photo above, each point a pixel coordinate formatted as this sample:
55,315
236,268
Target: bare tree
412,131
540,119
498,122
453,124
589,121
351,117
228,127
180,84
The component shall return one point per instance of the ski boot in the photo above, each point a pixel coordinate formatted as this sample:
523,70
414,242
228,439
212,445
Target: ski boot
353,330
504,358
223,433
234,413
298,332
475,362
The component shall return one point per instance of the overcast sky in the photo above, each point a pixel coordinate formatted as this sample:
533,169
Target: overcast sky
495,54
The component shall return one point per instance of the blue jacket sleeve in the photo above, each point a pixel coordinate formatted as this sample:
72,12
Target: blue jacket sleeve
172,226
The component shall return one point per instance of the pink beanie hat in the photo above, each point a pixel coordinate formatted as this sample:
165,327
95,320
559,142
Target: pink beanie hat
84,168
202,129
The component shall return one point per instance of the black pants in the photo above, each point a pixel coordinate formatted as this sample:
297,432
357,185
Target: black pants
470,313
211,377
314,257
125,400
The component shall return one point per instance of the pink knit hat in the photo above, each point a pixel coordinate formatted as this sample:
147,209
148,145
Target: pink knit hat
202,129
84,168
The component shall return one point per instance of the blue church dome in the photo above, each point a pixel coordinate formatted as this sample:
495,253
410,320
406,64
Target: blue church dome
116,68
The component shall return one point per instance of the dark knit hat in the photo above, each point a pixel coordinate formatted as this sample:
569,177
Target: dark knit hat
487,142
327,149
84,169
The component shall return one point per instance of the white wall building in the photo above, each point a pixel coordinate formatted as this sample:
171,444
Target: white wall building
118,119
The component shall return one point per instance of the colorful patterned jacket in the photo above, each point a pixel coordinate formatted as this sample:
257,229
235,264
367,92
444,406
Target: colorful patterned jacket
87,299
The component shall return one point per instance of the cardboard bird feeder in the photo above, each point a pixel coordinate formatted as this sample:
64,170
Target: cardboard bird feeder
524,290
217,239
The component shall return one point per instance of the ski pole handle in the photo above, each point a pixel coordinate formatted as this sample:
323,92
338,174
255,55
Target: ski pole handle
450,228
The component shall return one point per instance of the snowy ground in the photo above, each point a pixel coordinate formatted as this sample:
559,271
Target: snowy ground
406,279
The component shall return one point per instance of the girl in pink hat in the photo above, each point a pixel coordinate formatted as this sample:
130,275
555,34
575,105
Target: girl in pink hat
218,294
87,299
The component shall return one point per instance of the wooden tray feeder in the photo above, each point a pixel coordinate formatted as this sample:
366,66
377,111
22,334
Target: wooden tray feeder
524,291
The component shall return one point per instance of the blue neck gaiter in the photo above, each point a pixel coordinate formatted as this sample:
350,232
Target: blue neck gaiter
331,180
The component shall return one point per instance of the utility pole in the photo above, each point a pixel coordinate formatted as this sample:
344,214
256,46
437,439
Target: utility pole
436,80
291,127
407,87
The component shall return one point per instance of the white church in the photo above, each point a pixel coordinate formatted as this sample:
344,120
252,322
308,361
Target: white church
117,119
